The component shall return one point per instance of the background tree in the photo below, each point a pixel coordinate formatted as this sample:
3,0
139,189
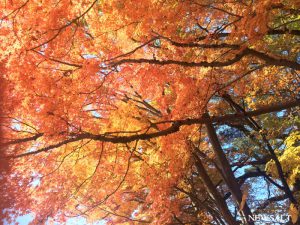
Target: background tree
160,112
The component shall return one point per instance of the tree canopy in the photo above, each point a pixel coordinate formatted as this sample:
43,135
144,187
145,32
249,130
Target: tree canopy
150,112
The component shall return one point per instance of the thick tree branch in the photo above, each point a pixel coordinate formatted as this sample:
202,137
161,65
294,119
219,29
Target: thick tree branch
175,127
263,56
214,193
270,32
227,173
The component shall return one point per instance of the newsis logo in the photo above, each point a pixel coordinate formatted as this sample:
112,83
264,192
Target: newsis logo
269,218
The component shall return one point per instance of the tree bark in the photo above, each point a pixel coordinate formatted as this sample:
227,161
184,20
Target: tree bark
229,177
219,200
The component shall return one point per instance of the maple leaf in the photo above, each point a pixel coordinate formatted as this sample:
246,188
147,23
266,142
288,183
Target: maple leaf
134,112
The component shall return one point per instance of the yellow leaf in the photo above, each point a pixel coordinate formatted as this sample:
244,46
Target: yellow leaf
293,211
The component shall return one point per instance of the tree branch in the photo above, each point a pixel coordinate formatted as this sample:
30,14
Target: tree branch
175,127
263,56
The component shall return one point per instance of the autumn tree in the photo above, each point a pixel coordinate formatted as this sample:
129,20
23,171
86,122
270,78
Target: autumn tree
158,112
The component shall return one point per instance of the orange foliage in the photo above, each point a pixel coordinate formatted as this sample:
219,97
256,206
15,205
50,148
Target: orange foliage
92,89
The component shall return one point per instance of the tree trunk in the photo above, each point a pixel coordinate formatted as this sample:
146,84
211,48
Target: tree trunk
219,200
229,177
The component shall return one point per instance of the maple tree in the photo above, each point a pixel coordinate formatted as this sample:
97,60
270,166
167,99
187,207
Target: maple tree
159,112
